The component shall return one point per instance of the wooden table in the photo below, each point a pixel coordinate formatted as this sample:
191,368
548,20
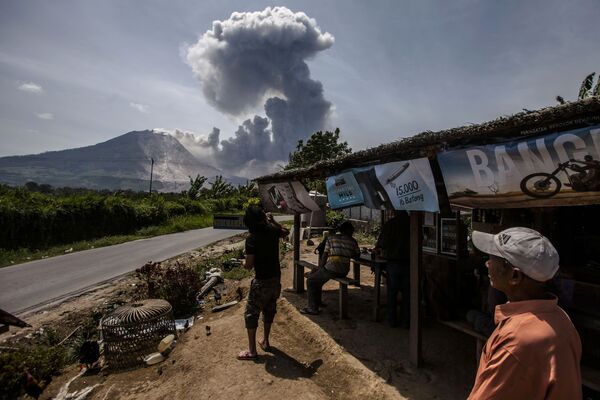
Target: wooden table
377,265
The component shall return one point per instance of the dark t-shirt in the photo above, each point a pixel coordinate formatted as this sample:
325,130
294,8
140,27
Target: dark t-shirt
264,245
395,239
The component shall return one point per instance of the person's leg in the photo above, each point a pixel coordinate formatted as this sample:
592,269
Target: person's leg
393,287
405,288
251,315
251,352
269,312
314,284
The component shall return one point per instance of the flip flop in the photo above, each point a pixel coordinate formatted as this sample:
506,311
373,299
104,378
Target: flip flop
246,356
308,311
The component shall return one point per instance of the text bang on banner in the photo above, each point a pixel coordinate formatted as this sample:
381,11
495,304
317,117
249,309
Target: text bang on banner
561,168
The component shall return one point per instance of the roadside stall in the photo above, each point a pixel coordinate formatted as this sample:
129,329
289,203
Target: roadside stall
536,169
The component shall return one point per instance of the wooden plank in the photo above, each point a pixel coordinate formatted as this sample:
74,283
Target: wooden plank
415,333
465,328
590,377
345,281
298,272
306,264
356,272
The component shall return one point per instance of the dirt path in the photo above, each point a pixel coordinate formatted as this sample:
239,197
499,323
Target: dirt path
318,357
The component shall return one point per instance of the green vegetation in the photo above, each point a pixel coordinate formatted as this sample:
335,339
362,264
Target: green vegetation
41,362
172,225
178,284
39,221
320,146
45,356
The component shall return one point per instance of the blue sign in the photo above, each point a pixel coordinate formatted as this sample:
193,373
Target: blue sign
343,191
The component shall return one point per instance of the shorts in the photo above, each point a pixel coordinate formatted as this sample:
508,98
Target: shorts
262,298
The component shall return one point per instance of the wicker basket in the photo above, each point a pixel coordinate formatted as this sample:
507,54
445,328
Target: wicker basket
133,331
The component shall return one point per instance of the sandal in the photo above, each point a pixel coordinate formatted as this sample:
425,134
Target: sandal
309,311
246,355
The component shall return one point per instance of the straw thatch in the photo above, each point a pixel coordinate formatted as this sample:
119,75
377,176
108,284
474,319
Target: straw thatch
426,144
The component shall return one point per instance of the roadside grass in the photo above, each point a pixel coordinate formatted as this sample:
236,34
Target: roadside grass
234,272
173,225
366,237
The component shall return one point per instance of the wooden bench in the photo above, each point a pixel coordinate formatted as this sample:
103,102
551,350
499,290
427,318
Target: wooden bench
343,289
590,377
464,327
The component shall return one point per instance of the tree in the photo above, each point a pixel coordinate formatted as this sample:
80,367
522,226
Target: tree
586,86
195,186
250,189
320,146
219,188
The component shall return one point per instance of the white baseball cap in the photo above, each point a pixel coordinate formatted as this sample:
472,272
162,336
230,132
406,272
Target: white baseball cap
524,248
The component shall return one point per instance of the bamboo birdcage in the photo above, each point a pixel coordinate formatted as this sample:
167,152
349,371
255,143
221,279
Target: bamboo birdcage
133,331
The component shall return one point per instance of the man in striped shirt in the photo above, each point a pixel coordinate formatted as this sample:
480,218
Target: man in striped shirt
335,263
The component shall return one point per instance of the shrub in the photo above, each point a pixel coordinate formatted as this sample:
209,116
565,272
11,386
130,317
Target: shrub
178,284
334,218
41,362
38,220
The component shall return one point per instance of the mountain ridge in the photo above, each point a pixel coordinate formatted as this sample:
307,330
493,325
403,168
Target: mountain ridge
123,162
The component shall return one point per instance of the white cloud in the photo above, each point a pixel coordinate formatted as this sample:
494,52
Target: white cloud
140,107
31,87
45,115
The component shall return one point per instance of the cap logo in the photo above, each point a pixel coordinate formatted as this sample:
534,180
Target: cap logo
504,238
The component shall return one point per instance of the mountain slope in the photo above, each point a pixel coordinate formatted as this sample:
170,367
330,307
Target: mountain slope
119,163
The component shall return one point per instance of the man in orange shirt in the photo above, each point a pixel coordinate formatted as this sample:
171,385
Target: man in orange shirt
534,352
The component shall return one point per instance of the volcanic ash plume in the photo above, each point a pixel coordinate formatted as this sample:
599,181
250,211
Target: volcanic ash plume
256,57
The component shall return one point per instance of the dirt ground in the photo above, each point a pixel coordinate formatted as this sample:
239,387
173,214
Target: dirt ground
316,357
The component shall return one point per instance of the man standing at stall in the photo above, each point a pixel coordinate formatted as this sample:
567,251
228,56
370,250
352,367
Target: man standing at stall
393,245
262,255
534,352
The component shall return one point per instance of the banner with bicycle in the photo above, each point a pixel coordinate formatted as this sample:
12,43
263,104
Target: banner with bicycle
562,168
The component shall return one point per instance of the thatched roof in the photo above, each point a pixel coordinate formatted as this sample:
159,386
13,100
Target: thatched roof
527,123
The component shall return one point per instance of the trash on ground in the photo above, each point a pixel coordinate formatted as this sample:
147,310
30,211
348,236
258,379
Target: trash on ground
213,277
184,324
224,306
154,358
165,343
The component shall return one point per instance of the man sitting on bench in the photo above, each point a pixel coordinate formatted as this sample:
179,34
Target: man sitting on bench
335,263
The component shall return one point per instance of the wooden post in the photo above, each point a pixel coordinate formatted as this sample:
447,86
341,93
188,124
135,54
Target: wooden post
415,333
343,301
298,272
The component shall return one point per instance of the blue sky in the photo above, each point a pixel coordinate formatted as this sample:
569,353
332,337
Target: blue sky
75,73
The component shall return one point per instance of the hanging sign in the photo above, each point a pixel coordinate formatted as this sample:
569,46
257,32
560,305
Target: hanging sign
402,185
561,168
286,197
343,191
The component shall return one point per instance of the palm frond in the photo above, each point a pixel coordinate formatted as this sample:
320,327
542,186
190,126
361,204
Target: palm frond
586,86
596,91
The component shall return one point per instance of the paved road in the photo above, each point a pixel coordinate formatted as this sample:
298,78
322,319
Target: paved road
25,287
